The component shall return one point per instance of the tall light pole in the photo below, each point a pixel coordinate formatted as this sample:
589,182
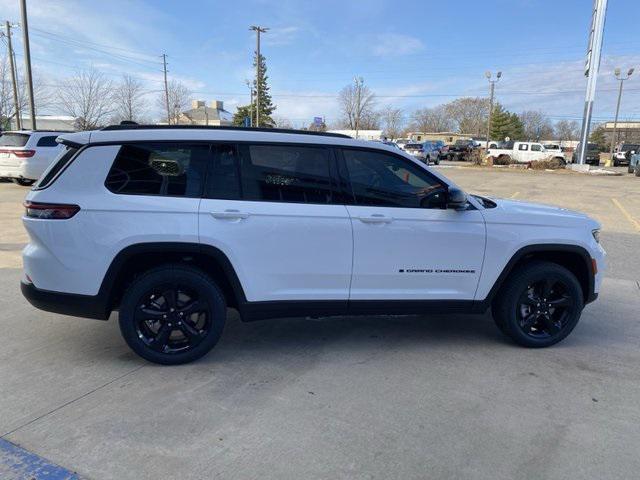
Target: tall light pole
592,65
621,79
248,83
14,77
492,87
27,62
166,87
258,31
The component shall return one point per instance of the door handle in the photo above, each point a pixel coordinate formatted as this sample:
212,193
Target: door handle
230,214
376,218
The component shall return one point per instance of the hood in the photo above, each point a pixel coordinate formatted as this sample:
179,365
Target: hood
525,213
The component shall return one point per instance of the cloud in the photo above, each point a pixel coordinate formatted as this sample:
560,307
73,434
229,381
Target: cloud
281,35
394,44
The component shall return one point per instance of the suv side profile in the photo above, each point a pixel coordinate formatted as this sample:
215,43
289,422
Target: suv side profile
26,154
170,226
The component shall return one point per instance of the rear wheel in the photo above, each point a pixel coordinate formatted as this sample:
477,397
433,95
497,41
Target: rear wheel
25,182
173,314
539,305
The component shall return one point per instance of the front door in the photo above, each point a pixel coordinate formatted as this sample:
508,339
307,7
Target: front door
407,245
271,208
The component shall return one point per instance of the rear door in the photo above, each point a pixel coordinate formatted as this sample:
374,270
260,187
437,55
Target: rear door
273,209
407,245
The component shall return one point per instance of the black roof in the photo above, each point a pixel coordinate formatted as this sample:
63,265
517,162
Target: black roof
133,126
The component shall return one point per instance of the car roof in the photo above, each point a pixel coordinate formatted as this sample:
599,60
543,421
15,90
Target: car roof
188,133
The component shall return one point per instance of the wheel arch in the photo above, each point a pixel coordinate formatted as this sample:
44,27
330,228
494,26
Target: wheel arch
574,258
138,258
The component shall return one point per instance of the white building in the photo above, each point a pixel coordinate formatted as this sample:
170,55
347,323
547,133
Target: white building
362,134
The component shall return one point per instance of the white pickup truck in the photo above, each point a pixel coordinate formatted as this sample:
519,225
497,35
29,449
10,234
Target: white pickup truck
525,152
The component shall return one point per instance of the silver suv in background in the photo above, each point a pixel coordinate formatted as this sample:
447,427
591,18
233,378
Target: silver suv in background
26,154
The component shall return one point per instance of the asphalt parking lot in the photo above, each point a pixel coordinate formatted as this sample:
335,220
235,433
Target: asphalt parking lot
371,397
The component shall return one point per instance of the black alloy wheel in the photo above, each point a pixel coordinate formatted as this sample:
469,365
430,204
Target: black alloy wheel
172,314
544,308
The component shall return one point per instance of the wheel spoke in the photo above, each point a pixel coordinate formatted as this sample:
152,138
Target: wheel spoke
170,296
190,332
529,321
551,326
546,288
161,338
192,307
151,313
561,302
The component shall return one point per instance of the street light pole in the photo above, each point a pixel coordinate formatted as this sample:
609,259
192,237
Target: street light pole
27,62
14,79
492,84
621,79
250,102
258,31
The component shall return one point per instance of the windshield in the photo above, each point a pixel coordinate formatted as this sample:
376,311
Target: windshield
413,146
14,139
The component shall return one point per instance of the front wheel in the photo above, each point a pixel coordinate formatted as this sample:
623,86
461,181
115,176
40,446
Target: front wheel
172,314
539,305
24,182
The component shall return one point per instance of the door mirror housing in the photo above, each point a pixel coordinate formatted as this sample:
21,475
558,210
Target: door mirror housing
456,199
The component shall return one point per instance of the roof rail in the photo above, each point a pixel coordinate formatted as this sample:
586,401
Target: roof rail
221,127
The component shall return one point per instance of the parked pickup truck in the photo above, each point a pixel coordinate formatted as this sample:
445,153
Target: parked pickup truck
525,152
460,150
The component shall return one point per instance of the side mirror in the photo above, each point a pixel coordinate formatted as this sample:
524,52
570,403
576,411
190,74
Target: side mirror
456,199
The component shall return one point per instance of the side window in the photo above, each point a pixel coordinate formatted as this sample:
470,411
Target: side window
523,146
223,177
47,142
286,173
380,179
536,148
169,169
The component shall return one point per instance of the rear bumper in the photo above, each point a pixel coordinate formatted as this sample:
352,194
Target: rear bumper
88,306
20,170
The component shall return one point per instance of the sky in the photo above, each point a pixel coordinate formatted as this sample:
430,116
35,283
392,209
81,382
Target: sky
412,54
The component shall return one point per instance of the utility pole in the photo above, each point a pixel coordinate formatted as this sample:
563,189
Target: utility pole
359,84
248,83
258,31
27,62
492,88
166,87
14,79
621,79
592,66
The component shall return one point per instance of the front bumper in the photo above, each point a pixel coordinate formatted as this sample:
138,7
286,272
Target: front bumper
88,306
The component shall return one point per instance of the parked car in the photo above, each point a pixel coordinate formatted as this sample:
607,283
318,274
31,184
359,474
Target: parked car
170,226
525,152
460,150
592,156
402,142
634,164
25,154
623,154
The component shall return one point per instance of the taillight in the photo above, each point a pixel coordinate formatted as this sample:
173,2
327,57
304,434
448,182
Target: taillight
50,211
19,153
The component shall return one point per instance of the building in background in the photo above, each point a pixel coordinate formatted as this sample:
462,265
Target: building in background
48,122
201,114
449,138
362,134
626,132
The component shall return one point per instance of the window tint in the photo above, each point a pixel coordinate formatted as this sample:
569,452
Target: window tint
56,166
47,142
523,146
380,179
223,180
284,173
536,148
159,169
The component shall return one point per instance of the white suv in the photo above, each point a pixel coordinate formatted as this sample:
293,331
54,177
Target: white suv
26,154
170,226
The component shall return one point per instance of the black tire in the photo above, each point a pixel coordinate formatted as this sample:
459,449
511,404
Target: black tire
630,169
520,313
24,182
615,162
172,328
638,170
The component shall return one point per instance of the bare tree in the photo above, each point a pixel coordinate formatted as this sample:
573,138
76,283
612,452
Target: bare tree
536,125
128,100
7,106
469,115
392,121
281,122
433,119
88,96
357,103
567,130
179,96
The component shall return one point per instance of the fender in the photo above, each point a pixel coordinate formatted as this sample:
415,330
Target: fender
589,295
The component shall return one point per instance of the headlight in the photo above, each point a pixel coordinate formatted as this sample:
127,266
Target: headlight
596,235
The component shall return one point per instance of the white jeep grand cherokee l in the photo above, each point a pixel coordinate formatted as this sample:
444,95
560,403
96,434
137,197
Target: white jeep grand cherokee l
170,226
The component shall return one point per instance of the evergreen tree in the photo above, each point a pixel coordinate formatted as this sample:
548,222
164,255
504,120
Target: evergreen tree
599,138
505,124
266,104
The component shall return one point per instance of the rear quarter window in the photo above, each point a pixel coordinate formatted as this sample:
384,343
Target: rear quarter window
60,162
48,141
